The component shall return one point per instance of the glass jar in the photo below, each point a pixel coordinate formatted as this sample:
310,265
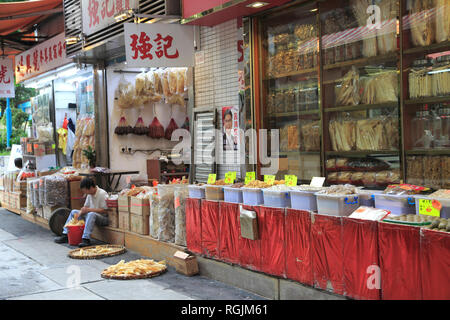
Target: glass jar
445,127
418,131
427,129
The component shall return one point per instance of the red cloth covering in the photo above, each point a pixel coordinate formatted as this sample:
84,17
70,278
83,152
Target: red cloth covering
250,250
273,253
327,253
435,265
210,228
361,264
230,230
193,225
298,246
399,262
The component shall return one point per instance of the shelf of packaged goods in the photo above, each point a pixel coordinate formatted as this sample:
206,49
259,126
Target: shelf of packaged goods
362,61
296,73
358,153
293,114
363,107
430,152
426,100
298,153
432,48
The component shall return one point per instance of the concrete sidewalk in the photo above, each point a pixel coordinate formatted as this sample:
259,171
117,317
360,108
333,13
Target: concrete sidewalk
33,267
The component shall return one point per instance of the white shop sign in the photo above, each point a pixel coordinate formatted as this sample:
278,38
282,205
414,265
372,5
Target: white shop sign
6,78
99,14
159,45
46,56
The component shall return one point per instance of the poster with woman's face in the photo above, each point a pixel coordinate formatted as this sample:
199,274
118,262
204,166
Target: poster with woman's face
230,125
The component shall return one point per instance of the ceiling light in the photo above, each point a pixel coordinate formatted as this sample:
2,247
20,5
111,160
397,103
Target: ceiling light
257,4
313,10
72,40
124,14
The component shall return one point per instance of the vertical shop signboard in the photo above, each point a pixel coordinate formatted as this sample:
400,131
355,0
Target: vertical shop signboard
99,14
159,45
6,78
46,56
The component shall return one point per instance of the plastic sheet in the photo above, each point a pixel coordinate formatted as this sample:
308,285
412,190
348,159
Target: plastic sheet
181,193
399,252
30,196
298,246
42,191
56,191
193,225
166,213
36,202
361,259
273,254
154,216
229,232
327,253
435,260
210,228
250,250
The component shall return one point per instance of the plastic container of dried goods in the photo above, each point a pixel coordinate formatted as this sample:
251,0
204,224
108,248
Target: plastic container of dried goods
197,192
276,199
397,204
367,197
337,205
214,192
445,210
232,195
252,196
304,200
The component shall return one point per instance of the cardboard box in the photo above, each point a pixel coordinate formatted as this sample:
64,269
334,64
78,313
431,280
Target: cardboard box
283,164
139,224
77,197
124,204
18,200
20,186
140,206
46,173
113,218
124,221
185,263
48,210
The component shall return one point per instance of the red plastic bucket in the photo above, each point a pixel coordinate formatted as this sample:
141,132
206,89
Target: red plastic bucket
75,234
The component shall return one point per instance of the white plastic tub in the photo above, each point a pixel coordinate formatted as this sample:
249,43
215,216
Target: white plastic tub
337,205
197,192
276,199
233,195
252,196
367,197
303,200
445,211
397,204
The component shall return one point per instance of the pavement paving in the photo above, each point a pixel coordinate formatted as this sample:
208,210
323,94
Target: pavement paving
33,267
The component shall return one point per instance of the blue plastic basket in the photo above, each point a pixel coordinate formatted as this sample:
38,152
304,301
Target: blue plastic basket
233,195
276,199
197,192
252,196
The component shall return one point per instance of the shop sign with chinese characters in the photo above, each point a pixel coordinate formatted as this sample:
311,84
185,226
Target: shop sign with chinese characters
159,45
6,78
99,14
46,56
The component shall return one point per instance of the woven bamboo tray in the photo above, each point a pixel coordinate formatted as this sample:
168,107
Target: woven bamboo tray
133,277
120,250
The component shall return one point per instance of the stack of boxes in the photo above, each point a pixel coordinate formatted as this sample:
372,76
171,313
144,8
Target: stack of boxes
139,215
124,212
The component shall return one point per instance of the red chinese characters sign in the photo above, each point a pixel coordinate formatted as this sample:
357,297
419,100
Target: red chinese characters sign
99,14
46,56
159,45
6,78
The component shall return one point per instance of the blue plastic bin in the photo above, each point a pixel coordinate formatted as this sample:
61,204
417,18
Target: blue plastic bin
252,196
276,199
233,195
197,192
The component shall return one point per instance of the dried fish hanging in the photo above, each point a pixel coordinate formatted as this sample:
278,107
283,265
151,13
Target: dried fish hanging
442,20
359,8
387,33
422,22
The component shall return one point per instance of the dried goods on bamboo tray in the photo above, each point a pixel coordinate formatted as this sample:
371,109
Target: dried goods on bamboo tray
137,269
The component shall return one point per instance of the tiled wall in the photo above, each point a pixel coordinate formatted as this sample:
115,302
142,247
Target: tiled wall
216,80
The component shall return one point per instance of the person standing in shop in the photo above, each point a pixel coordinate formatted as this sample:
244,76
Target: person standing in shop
229,140
94,212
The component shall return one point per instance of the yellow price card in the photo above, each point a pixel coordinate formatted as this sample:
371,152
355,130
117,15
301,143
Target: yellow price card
211,178
269,179
230,177
290,180
430,207
250,176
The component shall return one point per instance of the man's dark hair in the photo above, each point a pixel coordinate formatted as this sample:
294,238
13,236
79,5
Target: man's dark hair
18,163
87,183
228,112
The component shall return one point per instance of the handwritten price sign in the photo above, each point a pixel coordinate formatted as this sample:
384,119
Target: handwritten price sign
212,178
249,176
430,207
290,180
230,177
269,179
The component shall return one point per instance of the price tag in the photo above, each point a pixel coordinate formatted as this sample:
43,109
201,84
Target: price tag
53,146
211,178
230,177
250,176
269,179
430,207
290,180
317,182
